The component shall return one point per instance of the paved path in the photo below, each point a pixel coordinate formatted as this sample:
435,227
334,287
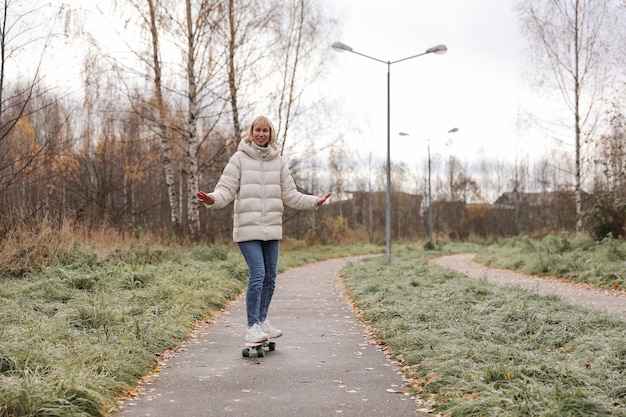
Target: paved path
613,302
324,365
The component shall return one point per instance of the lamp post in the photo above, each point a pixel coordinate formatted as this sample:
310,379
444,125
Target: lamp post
438,49
430,195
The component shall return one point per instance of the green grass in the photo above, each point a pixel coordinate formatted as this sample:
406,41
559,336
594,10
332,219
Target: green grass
481,350
76,335
578,258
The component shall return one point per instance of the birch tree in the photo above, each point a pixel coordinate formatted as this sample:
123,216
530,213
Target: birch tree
154,22
299,27
569,38
162,129
201,66
240,35
183,99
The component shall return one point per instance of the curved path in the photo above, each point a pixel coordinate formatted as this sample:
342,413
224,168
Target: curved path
613,302
325,365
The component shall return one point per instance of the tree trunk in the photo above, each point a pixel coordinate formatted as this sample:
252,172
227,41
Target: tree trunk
232,83
193,212
166,160
577,82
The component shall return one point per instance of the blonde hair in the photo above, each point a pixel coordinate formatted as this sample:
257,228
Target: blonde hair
262,120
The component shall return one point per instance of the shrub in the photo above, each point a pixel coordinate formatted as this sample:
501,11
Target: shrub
607,217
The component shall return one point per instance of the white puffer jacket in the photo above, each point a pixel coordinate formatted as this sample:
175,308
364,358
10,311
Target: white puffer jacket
259,187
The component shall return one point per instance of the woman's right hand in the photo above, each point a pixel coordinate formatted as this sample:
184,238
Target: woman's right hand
205,198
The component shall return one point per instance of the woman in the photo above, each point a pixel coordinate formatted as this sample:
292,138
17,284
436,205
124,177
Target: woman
258,180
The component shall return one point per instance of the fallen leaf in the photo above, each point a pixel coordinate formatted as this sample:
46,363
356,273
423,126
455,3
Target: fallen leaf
395,391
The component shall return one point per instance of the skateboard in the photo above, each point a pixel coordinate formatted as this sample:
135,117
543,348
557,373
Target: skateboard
259,347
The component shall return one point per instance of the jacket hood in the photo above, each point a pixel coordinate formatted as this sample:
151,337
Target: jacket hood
254,153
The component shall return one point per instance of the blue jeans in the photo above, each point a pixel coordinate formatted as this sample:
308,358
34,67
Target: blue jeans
262,259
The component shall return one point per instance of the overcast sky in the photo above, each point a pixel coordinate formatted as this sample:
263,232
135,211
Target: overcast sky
477,86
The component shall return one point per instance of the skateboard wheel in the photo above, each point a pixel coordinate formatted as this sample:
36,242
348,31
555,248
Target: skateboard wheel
245,353
271,345
260,352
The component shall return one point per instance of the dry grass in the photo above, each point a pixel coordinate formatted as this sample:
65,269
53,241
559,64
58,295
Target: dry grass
481,350
30,247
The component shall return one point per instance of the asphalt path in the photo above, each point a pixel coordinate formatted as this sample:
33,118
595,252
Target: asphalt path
326,364
610,301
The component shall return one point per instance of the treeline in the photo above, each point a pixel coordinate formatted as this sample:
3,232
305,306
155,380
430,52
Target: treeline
158,122
154,122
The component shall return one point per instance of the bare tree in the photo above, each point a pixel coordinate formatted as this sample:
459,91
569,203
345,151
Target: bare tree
21,28
240,34
298,26
341,167
462,187
32,113
196,29
611,154
162,129
153,20
188,28
569,38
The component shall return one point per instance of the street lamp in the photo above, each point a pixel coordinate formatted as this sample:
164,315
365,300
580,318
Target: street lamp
430,195
438,49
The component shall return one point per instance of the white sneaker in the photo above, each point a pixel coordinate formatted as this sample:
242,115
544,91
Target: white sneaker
271,331
255,334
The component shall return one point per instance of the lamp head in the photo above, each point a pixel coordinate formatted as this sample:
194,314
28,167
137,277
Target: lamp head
453,130
340,47
403,134
437,49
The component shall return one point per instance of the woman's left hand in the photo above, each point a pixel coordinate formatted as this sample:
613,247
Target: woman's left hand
323,199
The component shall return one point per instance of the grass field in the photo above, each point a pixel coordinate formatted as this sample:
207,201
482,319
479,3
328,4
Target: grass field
578,258
85,328
480,350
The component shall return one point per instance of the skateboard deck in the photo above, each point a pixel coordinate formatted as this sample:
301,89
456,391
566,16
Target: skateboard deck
259,347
